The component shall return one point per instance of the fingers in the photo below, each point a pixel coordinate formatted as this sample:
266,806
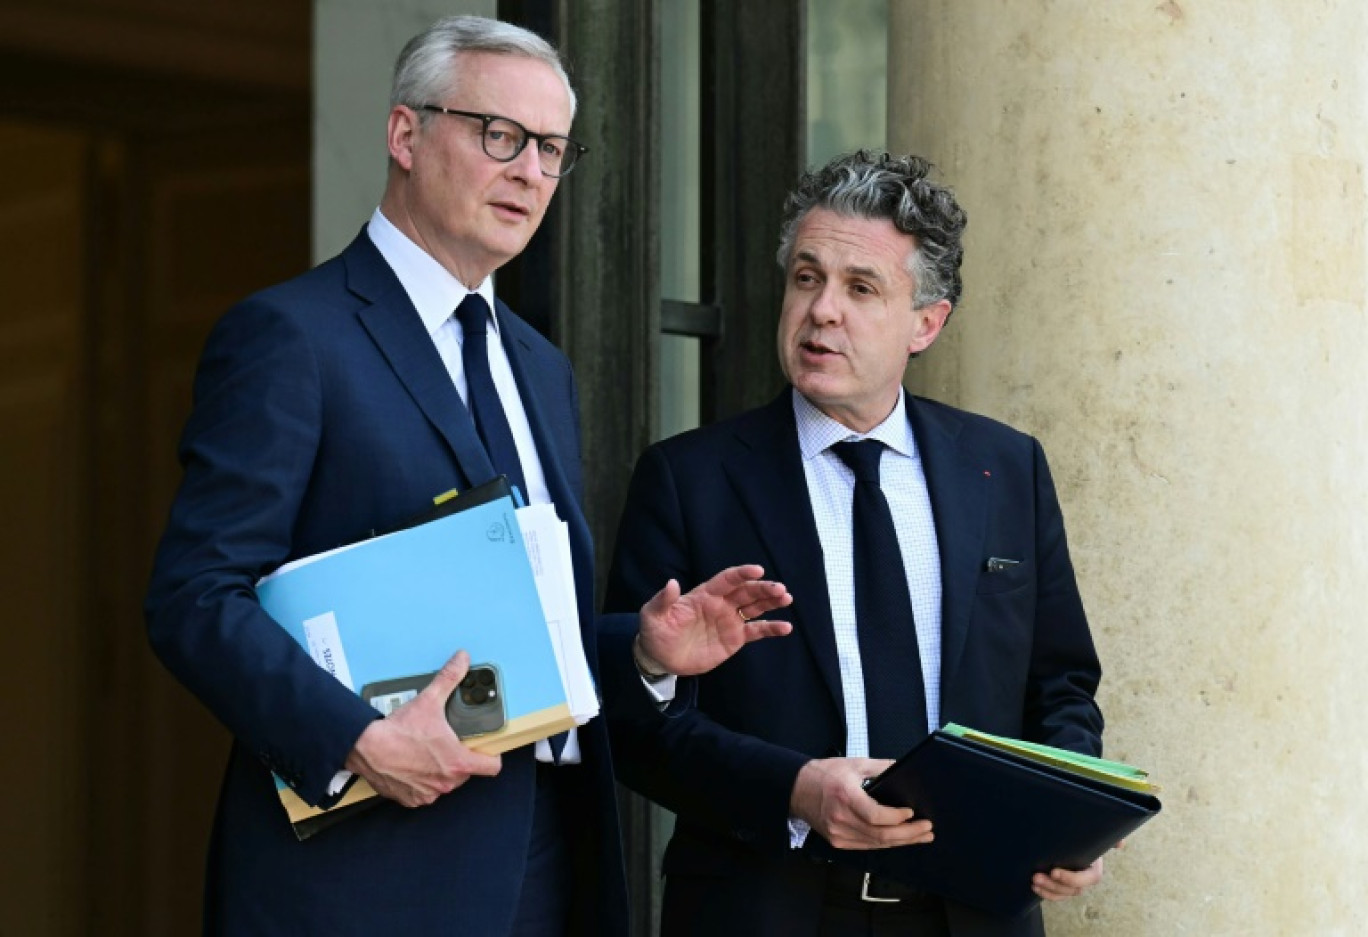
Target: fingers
743,587
853,833
478,764
766,628
758,596
451,674
462,762
829,796
732,578
1060,884
662,600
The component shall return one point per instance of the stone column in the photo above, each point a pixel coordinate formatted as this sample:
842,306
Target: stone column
1165,281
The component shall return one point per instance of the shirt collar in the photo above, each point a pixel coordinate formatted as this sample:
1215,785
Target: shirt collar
435,293
818,432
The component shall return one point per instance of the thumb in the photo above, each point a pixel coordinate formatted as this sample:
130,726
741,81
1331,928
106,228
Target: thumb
451,674
660,602
870,767
864,770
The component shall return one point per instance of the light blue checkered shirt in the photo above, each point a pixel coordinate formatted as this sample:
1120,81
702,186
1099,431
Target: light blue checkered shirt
831,488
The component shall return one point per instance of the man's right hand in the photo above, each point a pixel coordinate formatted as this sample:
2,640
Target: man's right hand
412,756
828,795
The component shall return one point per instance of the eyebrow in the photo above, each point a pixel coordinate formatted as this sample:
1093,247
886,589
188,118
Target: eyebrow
869,273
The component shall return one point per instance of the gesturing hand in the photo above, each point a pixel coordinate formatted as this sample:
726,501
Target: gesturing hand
412,756
693,633
829,795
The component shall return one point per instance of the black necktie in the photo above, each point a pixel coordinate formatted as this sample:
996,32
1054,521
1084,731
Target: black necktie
487,410
895,699
481,396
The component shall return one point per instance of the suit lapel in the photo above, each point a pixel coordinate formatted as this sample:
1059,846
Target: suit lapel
766,470
958,482
395,327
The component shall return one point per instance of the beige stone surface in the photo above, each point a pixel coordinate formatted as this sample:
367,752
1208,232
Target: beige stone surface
1166,283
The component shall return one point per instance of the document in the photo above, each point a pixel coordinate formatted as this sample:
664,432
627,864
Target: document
547,538
1001,811
399,605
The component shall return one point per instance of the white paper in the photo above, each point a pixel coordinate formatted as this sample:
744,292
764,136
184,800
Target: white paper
547,538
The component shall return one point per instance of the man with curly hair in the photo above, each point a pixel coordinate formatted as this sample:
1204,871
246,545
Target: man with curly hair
924,548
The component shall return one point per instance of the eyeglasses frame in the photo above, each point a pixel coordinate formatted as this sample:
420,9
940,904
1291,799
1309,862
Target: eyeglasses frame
540,138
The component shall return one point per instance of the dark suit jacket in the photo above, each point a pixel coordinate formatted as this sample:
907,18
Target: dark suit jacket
322,412
1017,656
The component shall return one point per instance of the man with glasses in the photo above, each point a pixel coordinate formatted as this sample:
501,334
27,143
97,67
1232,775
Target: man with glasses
340,403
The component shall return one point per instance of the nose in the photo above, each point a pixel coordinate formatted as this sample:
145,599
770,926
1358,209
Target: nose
526,166
825,309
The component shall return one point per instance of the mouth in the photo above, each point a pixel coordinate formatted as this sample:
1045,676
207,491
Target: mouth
512,209
816,349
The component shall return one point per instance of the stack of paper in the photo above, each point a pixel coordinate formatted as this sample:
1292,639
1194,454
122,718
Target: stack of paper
547,539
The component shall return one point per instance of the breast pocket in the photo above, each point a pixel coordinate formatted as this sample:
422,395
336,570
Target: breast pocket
1004,572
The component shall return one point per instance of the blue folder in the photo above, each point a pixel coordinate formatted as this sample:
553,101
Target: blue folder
401,604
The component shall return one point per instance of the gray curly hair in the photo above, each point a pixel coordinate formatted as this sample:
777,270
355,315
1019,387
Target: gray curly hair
863,185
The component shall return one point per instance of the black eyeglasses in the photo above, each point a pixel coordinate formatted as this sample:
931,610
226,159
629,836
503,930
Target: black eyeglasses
504,138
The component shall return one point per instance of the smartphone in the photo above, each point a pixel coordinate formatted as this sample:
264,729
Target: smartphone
476,706
388,695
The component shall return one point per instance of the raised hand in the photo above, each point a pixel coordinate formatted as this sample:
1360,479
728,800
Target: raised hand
694,632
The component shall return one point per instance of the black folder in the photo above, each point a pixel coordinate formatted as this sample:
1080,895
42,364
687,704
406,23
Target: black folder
998,818
453,501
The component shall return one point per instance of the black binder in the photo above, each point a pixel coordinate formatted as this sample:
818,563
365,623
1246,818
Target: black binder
997,818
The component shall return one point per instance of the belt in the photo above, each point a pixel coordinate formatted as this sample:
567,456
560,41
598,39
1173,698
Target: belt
850,888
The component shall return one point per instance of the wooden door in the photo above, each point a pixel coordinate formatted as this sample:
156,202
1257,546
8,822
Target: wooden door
120,248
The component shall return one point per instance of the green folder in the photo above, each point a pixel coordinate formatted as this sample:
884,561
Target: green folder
1099,769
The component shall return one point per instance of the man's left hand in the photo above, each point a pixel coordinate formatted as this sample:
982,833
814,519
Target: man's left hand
1061,883
694,632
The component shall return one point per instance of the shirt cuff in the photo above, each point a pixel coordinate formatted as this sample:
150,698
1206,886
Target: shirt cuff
662,690
338,782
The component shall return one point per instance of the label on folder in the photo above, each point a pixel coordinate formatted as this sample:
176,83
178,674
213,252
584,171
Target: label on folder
325,647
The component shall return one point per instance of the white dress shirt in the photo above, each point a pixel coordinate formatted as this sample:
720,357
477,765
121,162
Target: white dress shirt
436,293
831,489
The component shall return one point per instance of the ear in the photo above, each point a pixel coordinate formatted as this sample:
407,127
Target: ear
400,133
929,321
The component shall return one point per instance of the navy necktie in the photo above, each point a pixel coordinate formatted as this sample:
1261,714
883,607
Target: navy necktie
487,410
481,397
895,698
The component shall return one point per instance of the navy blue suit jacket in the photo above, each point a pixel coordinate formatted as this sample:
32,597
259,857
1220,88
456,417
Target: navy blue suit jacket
1017,655
323,411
